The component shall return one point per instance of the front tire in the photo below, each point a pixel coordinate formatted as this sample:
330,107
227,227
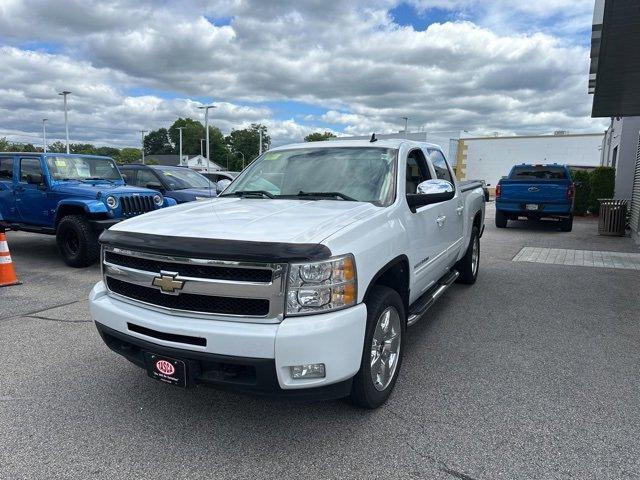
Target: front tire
501,219
77,241
469,265
383,348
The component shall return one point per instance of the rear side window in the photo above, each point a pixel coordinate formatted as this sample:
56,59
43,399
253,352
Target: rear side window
538,172
6,168
440,166
29,166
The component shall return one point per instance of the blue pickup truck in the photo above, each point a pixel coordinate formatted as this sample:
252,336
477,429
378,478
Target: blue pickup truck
536,192
74,197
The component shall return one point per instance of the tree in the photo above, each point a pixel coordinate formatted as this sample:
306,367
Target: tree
602,182
191,134
85,148
157,142
129,155
246,142
4,145
107,151
57,147
319,136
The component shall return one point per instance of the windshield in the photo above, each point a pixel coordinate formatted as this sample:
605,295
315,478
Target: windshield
82,168
365,174
181,178
538,172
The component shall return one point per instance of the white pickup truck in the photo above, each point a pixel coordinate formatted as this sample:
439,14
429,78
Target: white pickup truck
300,279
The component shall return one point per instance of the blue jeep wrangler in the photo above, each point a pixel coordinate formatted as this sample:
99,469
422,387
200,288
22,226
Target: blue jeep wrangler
74,197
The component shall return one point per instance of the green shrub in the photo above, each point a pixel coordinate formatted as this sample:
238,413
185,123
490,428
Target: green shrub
583,191
602,186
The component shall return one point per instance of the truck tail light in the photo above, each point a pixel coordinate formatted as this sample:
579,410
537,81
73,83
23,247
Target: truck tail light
498,190
571,191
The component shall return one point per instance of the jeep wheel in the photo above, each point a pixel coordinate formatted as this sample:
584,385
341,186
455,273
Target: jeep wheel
566,224
501,219
77,241
383,347
468,265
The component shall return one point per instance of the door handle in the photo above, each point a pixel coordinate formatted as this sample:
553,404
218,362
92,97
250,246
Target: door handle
440,220
460,209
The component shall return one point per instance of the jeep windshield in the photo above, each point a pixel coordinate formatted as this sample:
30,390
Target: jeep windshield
363,174
83,168
180,178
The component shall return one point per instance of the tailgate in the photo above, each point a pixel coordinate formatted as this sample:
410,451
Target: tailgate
543,191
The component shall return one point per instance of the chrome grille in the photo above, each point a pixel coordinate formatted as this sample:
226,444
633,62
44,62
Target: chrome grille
240,291
136,204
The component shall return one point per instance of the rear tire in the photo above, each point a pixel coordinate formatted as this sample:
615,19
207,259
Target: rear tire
469,265
383,348
77,242
566,224
501,219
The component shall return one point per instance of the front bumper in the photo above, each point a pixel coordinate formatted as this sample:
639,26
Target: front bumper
268,350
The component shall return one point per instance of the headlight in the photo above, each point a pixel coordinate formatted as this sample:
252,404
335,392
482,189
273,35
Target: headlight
112,202
157,199
321,286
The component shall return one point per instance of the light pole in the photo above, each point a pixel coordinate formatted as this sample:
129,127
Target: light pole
142,132
406,121
260,146
66,121
180,129
206,128
44,134
201,151
242,158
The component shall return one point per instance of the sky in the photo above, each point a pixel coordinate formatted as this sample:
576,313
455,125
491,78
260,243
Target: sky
350,67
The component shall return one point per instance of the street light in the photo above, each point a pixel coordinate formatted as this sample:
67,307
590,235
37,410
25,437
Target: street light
180,158
44,134
66,121
206,127
406,121
242,158
142,132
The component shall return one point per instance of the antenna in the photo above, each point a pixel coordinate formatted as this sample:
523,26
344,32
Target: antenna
373,138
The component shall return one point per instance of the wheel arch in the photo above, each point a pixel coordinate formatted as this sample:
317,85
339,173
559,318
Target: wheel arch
395,275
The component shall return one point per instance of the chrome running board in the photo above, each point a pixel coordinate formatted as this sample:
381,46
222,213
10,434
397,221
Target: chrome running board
420,306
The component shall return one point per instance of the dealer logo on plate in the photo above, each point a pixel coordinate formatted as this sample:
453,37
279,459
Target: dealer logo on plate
165,367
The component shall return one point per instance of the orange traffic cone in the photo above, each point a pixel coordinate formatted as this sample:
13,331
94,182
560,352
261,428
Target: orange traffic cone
7,273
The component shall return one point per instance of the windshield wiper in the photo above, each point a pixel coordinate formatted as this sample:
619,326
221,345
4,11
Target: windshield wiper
98,178
326,195
249,193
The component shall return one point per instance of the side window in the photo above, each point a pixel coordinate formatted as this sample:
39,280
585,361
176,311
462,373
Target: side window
6,168
417,170
440,166
29,166
144,177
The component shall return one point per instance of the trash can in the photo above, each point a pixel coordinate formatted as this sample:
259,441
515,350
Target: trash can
613,217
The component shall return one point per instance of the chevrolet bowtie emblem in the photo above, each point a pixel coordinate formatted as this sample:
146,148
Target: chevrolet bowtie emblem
167,283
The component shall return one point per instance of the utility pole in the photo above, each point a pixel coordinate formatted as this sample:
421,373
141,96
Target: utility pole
142,132
180,158
206,128
44,134
66,121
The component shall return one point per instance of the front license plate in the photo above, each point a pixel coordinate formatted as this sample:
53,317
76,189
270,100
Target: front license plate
531,206
165,369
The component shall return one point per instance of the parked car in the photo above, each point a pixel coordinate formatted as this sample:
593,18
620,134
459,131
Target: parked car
307,270
222,179
74,197
179,183
536,192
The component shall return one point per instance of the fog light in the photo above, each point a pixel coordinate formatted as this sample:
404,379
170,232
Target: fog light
313,370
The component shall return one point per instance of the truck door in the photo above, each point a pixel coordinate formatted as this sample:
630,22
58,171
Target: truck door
452,210
426,240
7,194
31,198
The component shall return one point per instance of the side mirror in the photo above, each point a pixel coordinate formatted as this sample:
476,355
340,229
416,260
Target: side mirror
222,184
429,192
154,186
35,179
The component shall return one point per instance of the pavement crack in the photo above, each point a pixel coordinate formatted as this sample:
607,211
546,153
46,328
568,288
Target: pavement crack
38,317
455,473
35,312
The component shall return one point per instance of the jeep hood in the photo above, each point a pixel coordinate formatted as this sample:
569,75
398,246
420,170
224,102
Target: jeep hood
91,190
259,220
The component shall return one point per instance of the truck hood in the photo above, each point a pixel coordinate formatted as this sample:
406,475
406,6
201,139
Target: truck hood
92,190
259,220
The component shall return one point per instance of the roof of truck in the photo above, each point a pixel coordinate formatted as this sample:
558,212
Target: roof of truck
54,154
386,143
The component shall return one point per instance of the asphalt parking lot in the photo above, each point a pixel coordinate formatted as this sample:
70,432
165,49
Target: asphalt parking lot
530,373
